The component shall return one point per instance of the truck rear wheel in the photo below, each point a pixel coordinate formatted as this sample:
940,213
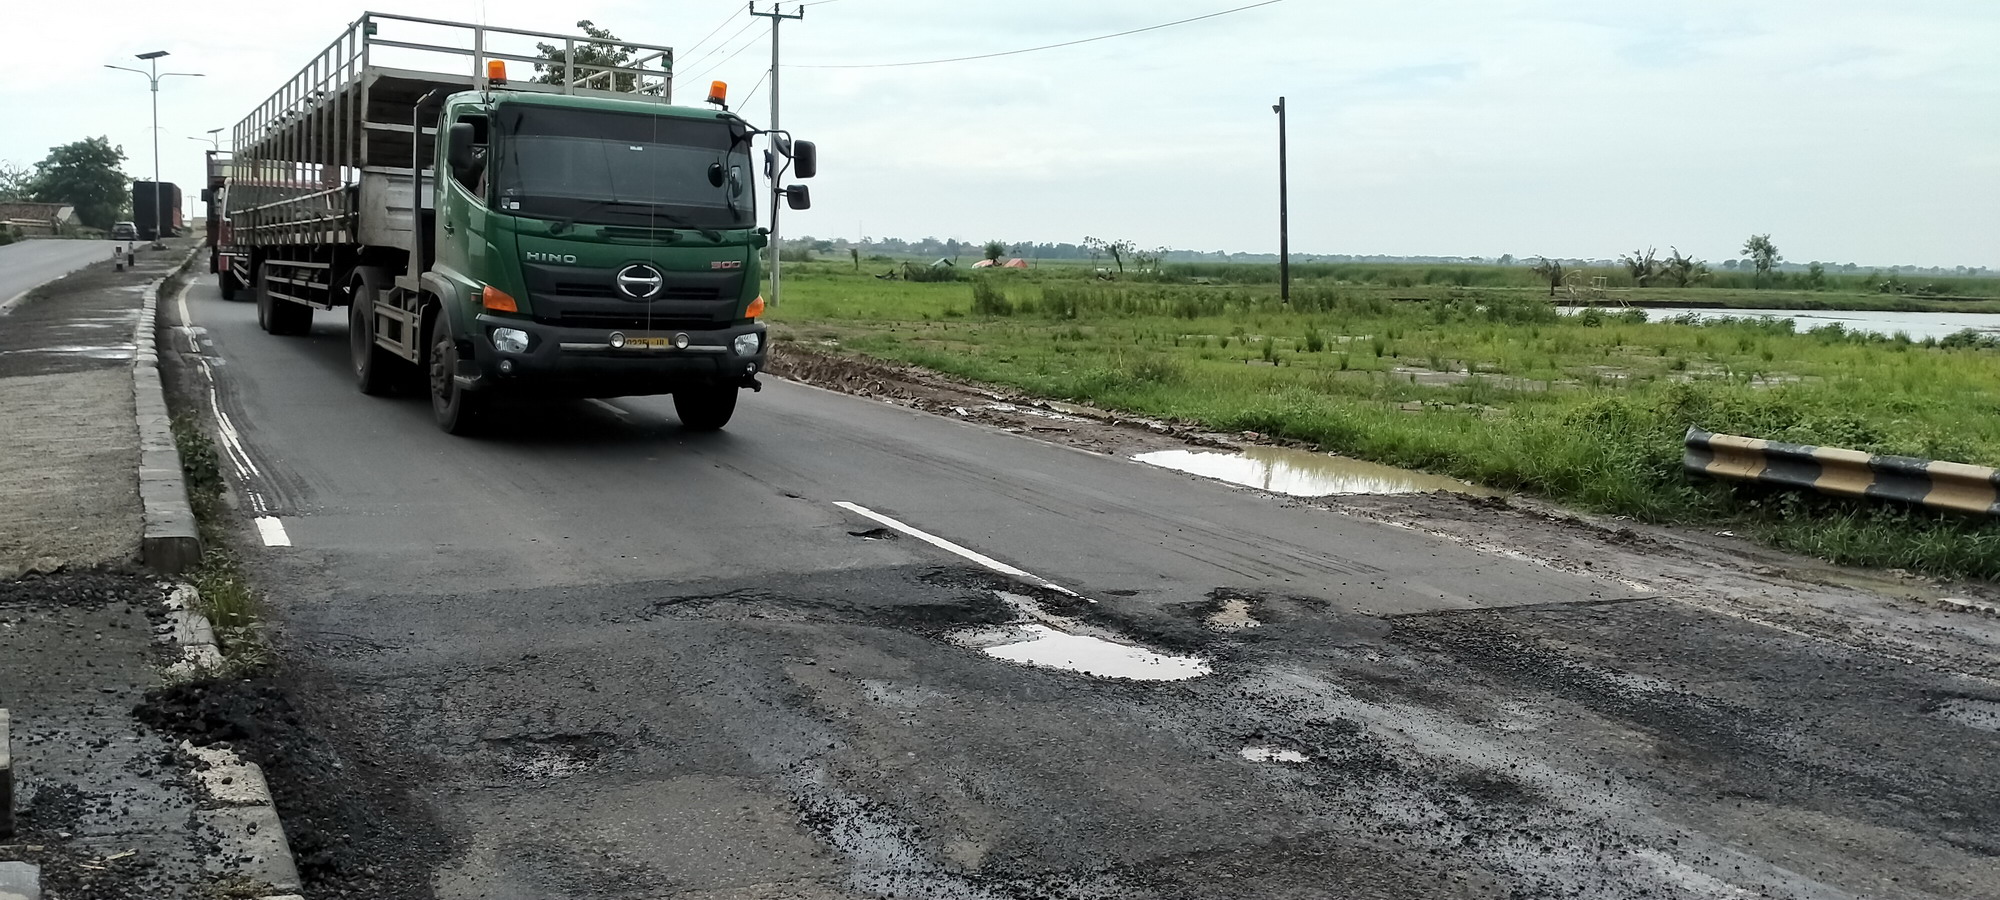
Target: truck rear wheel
456,409
376,370
705,408
280,316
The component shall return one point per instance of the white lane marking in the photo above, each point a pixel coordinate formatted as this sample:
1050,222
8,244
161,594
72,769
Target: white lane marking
606,405
273,532
232,440
942,544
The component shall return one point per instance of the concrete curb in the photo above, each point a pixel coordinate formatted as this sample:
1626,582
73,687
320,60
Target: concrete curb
250,837
171,543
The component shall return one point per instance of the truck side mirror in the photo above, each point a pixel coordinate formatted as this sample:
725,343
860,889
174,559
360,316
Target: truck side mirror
798,196
805,159
459,152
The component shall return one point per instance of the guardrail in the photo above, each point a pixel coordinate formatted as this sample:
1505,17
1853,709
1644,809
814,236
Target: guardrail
1958,487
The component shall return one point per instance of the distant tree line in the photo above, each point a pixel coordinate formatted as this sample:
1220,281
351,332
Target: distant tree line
1676,269
86,174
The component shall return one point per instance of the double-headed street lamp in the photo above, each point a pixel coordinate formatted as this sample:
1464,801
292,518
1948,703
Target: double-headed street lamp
214,139
153,76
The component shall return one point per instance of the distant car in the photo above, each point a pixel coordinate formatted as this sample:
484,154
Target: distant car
124,231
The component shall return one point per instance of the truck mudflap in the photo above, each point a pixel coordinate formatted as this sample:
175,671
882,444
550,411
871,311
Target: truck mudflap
516,355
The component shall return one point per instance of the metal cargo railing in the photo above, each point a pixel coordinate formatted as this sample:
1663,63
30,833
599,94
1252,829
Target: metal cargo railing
301,154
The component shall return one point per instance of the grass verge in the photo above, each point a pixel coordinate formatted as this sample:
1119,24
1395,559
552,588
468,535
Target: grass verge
1493,387
226,596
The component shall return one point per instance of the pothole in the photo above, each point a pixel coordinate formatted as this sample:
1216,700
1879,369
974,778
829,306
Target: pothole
1272,754
1233,615
1302,473
1041,645
553,756
1971,712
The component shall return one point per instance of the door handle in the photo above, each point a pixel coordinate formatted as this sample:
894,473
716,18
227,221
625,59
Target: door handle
450,229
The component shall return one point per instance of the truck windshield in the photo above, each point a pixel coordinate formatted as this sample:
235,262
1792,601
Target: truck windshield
622,168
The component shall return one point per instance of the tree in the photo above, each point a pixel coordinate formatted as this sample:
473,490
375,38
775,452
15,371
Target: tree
1641,264
16,182
1117,250
1763,255
995,250
1506,259
588,59
1684,270
85,175
1816,275
1551,270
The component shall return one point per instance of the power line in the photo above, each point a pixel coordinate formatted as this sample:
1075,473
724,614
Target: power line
718,29
1101,37
745,102
725,60
725,42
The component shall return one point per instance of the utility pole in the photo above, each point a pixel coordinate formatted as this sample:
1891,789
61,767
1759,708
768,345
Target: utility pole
1284,212
153,76
779,152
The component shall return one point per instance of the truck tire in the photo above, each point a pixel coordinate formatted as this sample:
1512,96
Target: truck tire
282,317
705,408
377,372
456,409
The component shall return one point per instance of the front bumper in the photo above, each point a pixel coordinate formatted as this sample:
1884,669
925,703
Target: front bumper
583,362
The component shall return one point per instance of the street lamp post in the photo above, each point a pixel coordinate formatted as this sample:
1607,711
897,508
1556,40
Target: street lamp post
153,77
214,139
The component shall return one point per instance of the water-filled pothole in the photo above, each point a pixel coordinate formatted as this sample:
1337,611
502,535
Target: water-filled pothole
1041,645
1303,473
1272,754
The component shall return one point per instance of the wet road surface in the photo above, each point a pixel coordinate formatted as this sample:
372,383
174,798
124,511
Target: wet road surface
593,656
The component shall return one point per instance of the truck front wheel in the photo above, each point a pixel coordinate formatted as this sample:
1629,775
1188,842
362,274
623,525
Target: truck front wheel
705,408
455,408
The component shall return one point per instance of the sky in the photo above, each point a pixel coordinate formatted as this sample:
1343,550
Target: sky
1849,130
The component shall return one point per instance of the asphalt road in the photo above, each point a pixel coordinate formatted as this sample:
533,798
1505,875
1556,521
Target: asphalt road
25,265
594,656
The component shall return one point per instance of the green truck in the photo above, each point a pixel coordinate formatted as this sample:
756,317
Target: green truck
571,234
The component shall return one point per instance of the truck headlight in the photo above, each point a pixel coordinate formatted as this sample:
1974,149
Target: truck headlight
749,344
510,340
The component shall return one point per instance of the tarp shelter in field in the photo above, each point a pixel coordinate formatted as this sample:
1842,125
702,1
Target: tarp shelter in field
1016,263
983,264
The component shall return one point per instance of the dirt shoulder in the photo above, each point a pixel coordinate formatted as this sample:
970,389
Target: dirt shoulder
1889,612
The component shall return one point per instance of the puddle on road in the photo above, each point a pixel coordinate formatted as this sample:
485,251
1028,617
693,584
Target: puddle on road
1303,473
1272,754
1972,713
1040,645
1233,616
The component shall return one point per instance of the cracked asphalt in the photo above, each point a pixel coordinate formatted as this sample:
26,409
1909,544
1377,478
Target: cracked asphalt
593,656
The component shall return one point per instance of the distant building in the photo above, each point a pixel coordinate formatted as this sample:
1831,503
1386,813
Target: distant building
37,218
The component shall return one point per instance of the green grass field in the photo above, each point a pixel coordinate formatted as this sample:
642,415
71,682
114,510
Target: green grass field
1492,385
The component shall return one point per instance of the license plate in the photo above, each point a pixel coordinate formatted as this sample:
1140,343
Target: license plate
648,343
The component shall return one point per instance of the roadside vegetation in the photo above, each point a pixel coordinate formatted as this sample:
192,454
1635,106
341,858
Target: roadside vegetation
226,596
1485,380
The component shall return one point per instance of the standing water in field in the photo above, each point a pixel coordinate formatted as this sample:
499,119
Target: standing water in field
1918,325
1303,473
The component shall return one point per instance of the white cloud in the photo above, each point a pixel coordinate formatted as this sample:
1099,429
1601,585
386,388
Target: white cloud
1849,129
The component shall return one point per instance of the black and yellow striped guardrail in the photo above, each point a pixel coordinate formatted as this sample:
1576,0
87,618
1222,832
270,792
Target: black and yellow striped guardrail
1847,473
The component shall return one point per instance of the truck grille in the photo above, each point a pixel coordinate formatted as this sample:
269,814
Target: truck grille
631,323
599,290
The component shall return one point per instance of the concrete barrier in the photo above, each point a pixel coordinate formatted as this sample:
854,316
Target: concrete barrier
1974,490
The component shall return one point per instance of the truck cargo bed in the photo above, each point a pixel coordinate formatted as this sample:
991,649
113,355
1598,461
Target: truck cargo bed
333,156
